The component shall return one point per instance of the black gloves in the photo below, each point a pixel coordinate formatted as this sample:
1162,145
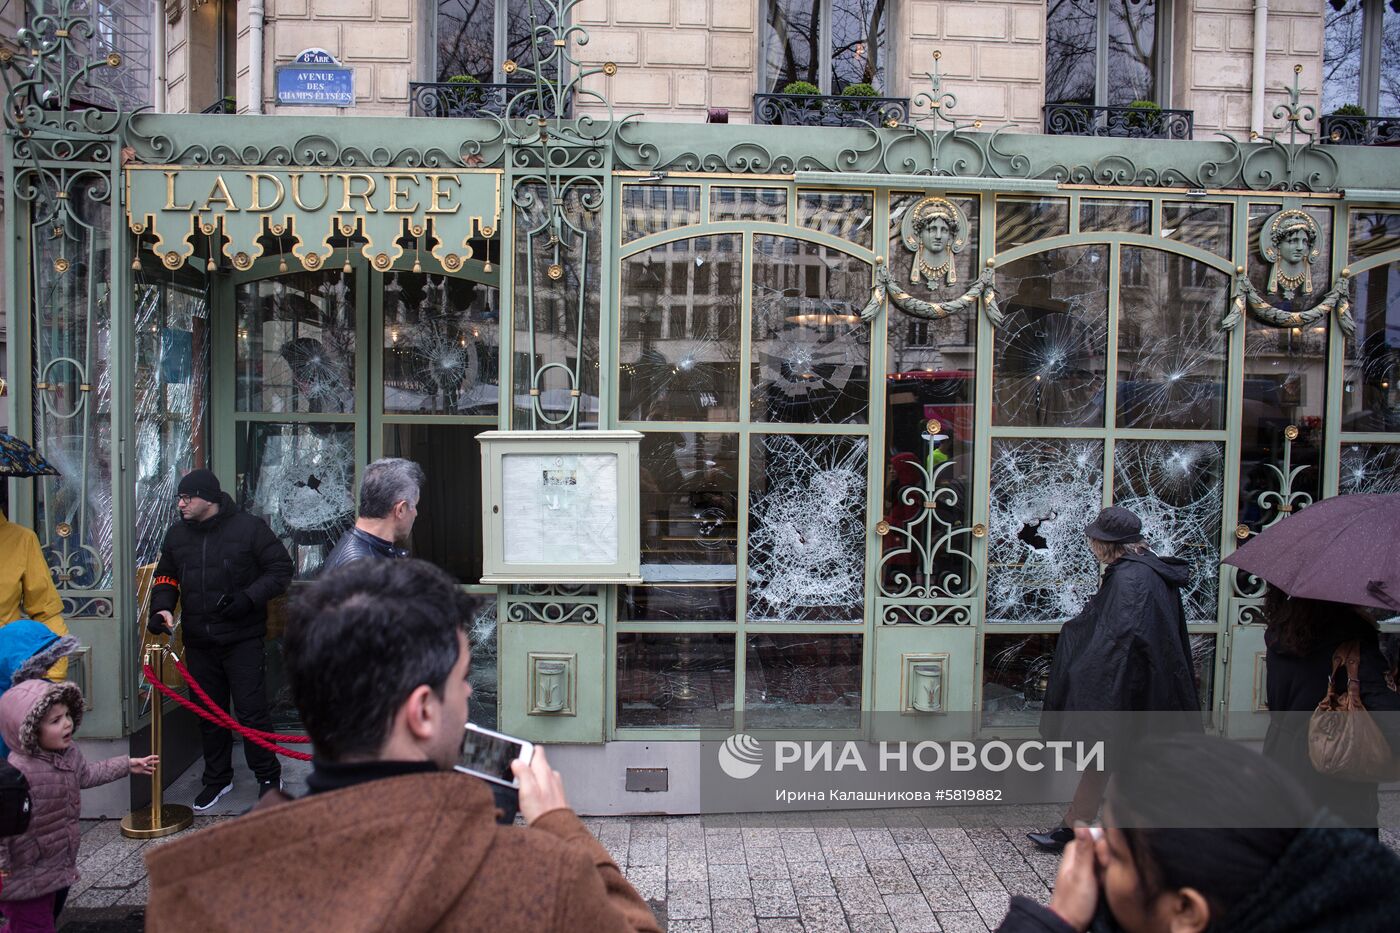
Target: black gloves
234,606
156,625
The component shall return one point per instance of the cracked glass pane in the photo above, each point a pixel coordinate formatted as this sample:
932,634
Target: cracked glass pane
675,680
681,602
680,307
648,209
1171,350
296,343
448,530
811,351
1115,215
1015,674
1208,226
806,532
440,345
557,294
1203,666
299,478
842,214
1372,233
1043,494
481,632
689,507
1177,489
1371,391
1370,468
1025,220
1050,352
766,204
802,682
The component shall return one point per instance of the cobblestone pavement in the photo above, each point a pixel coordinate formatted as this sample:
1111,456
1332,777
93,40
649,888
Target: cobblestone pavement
902,870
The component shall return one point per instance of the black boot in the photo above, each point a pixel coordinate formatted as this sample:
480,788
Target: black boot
1053,841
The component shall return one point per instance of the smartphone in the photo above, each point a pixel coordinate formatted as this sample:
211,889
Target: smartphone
487,755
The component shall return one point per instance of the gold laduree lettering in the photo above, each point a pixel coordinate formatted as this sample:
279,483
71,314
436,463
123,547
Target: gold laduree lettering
325,191
255,179
219,192
351,194
170,204
397,195
434,203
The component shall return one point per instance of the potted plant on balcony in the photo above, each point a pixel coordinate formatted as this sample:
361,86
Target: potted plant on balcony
858,90
805,88
463,94
1346,125
1145,118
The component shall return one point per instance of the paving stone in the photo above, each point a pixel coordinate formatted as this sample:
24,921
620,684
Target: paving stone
847,862
1025,883
859,895
992,905
761,837
924,859
690,866
729,881
688,900
910,834
943,892
689,926
647,851
911,913
960,921
822,915
774,898
649,880
725,852
811,879
733,915
871,923
877,843
892,876
767,864
801,846
780,926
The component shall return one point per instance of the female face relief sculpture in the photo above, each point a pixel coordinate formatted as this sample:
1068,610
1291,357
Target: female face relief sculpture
1289,242
934,230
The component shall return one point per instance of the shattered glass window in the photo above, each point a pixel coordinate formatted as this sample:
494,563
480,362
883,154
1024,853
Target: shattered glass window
802,682
811,351
296,344
689,505
448,529
300,479
680,602
1015,675
1115,215
557,294
649,209
1370,468
1025,220
440,345
1203,666
1208,226
680,333
675,680
1051,351
1373,232
1043,493
1177,489
766,204
843,214
484,676
806,532
1172,354
1371,390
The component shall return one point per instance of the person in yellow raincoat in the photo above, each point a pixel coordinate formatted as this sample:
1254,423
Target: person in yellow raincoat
26,586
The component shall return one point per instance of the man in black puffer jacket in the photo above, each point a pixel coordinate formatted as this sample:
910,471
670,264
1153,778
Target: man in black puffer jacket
223,566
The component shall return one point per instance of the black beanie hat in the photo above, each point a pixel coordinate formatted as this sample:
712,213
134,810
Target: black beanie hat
201,483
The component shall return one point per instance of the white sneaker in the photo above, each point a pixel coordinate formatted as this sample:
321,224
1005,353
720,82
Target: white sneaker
210,796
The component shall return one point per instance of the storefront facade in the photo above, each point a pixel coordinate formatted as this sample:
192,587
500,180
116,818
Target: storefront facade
884,375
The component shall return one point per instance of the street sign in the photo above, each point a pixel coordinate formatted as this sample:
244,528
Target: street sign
315,79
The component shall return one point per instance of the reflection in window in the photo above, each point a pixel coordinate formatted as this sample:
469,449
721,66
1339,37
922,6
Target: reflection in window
1370,468
1015,675
1177,488
1205,225
467,36
675,680
688,602
796,36
1043,494
766,204
680,305
841,214
481,632
448,530
806,535
811,351
440,340
295,348
299,479
1050,350
1171,350
802,681
1026,220
648,209
1373,232
1102,52
1113,214
689,507
1371,391
1361,57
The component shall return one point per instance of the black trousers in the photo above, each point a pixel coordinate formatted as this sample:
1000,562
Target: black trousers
233,672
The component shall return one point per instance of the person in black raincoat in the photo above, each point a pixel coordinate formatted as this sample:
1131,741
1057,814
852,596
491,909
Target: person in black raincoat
1126,652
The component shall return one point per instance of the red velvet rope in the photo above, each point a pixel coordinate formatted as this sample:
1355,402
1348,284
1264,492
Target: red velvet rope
221,718
270,736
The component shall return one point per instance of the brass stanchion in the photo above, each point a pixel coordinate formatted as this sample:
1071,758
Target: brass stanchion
160,819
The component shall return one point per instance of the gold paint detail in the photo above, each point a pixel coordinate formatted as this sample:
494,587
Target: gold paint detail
555,271
488,232
934,426
60,34
276,229
509,66
930,504
452,262
61,265
63,529
882,528
41,386
574,393
84,387
382,261
207,229
312,261
1242,532
559,43
991,263
1285,508
1291,432
1346,273
979,530
242,261
535,393
609,68
172,260
114,60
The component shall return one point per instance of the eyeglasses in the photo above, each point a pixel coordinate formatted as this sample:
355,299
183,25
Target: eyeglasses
183,500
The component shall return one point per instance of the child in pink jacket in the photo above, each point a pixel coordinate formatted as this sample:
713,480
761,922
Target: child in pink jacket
38,719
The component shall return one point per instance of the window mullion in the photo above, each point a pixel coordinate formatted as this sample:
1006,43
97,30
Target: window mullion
824,30
1372,23
1101,54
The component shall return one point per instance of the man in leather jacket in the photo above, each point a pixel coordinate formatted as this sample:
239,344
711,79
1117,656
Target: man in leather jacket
389,495
222,565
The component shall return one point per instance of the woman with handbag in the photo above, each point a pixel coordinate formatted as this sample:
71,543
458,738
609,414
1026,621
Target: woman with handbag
1302,638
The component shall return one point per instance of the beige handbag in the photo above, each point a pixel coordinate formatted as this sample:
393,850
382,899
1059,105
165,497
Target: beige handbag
1343,740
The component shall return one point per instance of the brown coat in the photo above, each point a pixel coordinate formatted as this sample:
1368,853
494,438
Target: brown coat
404,854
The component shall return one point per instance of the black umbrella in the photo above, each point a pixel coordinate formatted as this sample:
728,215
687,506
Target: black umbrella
19,459
1342,549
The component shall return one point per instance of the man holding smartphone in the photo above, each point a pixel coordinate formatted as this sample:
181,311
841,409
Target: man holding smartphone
390,837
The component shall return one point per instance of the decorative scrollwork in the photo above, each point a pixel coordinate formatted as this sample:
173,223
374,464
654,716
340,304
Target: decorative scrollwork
925,556
553,613
925,613
87,607
55,91
1130,122
828,110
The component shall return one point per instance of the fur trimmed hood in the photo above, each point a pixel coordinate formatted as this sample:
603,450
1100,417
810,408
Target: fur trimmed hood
23,707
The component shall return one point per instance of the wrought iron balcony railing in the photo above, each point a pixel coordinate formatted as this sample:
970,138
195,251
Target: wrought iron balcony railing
827,109
1361,131
446,99
1132,122
222,105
